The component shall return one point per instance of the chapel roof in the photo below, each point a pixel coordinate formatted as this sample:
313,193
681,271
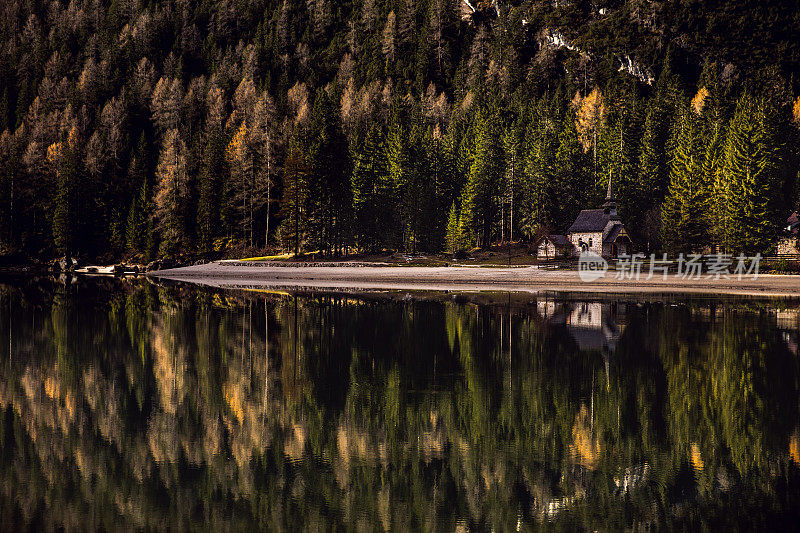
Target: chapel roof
590,221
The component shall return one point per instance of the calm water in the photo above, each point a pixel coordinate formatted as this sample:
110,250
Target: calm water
129,405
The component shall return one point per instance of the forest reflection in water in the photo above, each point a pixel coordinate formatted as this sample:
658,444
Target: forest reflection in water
127,404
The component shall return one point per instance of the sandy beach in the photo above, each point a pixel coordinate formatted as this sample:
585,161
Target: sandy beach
236,274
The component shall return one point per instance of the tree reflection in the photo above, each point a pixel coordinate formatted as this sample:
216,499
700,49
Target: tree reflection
171,407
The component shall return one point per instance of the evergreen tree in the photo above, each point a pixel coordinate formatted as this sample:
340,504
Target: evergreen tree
212,169
686,211
9,168
573,183
66,224
119,70
294,228
541,199
655,153
404,186
454,237
426,221
512,143
749,185
373,193
329,179
482,194
138,235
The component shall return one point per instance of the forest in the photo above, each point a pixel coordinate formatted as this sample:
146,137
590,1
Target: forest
137,129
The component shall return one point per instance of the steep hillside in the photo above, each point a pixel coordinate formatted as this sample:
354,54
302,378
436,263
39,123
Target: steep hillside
136,128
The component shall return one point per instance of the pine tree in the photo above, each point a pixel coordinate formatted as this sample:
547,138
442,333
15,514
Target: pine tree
372,193
573,184
10,157
294,228
426,220
454,239
404,186
512,144
444,184
748,187
66,231
329,179
658,137
138,230
482,194
539,208
211,170
686,210
618,145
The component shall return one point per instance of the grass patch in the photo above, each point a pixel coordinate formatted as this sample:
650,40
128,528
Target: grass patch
268,257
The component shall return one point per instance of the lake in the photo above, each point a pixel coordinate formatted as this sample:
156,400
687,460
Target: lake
124,404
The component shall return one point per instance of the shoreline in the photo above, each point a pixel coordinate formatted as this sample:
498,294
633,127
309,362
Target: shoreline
531,279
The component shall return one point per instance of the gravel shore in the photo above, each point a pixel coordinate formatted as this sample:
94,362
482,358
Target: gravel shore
361,276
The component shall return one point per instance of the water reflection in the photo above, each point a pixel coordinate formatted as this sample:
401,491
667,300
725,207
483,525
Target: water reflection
152,407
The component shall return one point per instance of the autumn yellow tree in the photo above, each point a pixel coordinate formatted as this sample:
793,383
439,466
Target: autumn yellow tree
250,155
588,119
796,111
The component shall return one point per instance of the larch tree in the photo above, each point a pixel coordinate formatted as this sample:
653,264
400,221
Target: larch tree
172,193
240,157
250,155
389,40
166,104
441,19
588,120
